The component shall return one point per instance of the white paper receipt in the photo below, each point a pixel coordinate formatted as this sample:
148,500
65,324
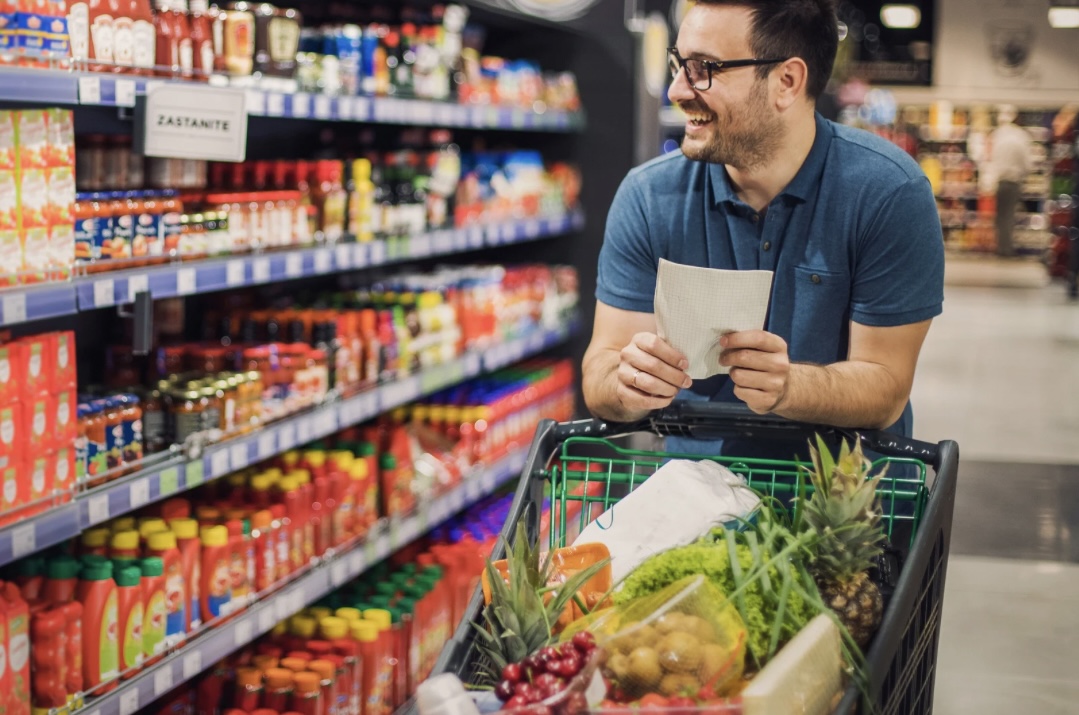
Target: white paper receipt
695,307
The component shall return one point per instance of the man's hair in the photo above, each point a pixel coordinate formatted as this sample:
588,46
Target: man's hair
793,28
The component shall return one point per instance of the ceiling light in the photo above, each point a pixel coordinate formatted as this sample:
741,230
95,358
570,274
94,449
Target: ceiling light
901,17
1064,17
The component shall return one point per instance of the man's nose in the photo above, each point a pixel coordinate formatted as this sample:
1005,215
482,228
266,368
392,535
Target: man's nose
680,89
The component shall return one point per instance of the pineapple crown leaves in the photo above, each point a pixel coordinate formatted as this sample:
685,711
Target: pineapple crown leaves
517,622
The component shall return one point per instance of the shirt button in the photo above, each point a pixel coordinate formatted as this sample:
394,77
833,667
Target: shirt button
767,245
755,217
815,278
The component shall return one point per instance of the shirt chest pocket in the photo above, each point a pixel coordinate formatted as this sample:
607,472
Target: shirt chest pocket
820,316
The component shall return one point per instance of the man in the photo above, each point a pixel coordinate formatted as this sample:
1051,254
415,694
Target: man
1009,148
846,220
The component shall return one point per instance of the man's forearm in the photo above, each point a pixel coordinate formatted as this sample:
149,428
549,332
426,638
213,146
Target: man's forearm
845,394
600,387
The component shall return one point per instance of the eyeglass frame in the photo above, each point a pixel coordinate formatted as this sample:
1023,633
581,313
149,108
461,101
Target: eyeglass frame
712,66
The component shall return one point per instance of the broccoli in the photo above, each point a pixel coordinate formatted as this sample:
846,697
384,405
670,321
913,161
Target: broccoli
712,560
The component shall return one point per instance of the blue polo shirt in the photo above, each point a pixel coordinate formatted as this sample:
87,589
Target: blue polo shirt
854,236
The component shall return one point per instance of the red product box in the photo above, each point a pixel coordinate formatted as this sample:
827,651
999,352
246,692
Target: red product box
65,427
40,415
65,376
36,369
12,434
10,499
42,481
11,363
64,472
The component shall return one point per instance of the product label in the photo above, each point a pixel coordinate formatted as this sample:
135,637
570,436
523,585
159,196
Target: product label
170,225
187,55
187,424
220,589
153,629
132,440
96,457
108,652
123,235
174,599
62,469
281,558
132,647
63,413
101,34
284,36
148,236
123,41
145,43
193,595
63,353
37,479
206,56
238,579
153,427
33,139
39,421
11,491
114,445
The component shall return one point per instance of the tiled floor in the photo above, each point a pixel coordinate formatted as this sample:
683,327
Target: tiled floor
1000,375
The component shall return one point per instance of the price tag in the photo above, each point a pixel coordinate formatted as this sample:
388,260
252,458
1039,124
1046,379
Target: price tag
125,93
494,118
163,680
275,104
460,116
323,107
286,437
360,254
473,364
339,573
14,308
136,285
323,261
267,445
420,246
362,109
477,117
517,118
294,265
139,493
256,102
475,237
192,664
238,456
266,620
129,701
303,430
443,114
342,256
219,463
89,90
98,508
281,609
104,293
234,273
194,474
301,105
442,242
169,481
344,109
260,270
242,634
23,541
378,253
370,548
532,228
355,562
460,240
185,281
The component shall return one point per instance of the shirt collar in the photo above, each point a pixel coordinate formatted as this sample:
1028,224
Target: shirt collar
801,186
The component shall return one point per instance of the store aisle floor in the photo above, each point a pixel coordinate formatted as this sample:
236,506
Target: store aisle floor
1000,374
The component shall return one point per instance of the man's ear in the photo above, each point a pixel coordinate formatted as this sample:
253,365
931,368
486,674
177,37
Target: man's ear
790,79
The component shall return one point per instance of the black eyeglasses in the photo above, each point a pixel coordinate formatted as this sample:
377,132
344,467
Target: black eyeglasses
699,72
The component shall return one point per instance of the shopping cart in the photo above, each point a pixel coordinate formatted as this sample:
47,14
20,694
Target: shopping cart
917,496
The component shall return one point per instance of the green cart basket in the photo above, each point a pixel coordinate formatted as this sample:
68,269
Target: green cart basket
917,496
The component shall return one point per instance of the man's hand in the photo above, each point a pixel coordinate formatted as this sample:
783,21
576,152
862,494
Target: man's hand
650,373
760,368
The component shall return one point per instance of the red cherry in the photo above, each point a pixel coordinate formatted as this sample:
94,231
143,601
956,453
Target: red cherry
517,701
566,650
571,666
553,688
555,668
544,679
530,662
537,710
584,642
512,673
504,690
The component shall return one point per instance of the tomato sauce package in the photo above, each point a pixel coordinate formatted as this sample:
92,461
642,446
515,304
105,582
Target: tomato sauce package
10,481
60,188
41,32
32,191
64,420
63,360
42,482
11,363
17,622
36,369
40,415
10,246
64,472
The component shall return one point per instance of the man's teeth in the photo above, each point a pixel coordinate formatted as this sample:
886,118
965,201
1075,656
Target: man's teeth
698,119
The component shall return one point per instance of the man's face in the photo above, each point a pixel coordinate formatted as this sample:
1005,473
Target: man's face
733,122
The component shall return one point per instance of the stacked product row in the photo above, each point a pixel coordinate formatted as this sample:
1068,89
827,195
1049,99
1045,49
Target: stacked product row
96,611
423,53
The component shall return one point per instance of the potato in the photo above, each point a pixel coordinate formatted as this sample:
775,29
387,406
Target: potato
670,622
618,665
698,627
644,669
679,684
636,635
713,660
679,652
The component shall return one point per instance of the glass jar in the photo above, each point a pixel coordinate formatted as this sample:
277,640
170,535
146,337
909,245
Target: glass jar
226,387
154,435
212,416
188,407
254,386
131,423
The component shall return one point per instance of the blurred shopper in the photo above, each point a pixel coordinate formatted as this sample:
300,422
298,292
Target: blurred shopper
1009,158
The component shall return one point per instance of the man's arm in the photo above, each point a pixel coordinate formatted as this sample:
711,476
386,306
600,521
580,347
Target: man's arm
870,389
628,371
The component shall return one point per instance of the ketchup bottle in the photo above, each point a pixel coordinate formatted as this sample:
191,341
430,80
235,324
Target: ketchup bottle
167,51
202,40
178,11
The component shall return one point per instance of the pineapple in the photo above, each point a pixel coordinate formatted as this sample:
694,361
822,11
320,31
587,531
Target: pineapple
522,613
845,513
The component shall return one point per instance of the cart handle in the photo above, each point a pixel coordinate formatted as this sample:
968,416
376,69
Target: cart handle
711,420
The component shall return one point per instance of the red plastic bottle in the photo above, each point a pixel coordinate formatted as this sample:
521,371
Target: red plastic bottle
307,694
277,693
291,498
249,689
215,588
131,610
190,548
61,581
73,648
155,612
164,546
202,40
327,675
30,578
178,10
241,589
47,654
263,540
100,655
168,44
282,541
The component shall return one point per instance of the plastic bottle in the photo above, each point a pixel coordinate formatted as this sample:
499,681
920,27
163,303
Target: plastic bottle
202,40
100,655
47,660
263,540
30,577
277,693
155,612
282,541
327,674
307,694
215,587
366,633
336,630
289,488
131,612
190,548
163,545
249,689
175,509
61,581
73,674
95,541
241,589
307,498
125,545
297,662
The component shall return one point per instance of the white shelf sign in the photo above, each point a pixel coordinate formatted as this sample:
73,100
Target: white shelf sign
14,308
196,122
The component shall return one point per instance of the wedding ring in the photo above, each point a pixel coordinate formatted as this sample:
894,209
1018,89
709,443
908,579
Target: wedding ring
635,378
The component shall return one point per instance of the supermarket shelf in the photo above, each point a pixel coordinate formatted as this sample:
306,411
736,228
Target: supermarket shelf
177,474
181,279
330,573
58,87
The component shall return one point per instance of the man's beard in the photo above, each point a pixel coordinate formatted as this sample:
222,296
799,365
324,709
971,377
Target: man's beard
745,137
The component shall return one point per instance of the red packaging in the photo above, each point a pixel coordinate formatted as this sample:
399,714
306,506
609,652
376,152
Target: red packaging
73,648
63,349
64,471
41,479
9,476
12,434
17,621
10,371
40,415
35,367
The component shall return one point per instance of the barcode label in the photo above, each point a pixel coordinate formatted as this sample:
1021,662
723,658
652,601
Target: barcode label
99,508
185,281
23,541
14,308
136,285
104,293
140,493
234,273
163,680
192,665
260,270
129,701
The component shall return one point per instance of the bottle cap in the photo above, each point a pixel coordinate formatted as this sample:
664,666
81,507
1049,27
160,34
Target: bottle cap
334,627
215,536
152,567
319,612
128,576
381,617
249,677
185,528
162,541
325,669
123,523
62,568
278,678
125,540
262,519
364,631
316,459
306,683
151,525
96,570
303,626
95,538
348,615
265,663
296,665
